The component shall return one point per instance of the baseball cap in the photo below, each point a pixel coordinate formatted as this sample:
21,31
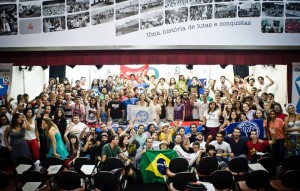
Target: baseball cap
104,134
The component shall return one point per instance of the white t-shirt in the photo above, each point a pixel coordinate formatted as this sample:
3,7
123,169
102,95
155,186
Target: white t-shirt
78,128
212,119
195,111
30,135
190,157
202,108
221,148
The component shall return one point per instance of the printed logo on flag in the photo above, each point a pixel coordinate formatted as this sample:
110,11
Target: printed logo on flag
248,126
142,116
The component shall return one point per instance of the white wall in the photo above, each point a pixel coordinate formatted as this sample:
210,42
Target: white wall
35,79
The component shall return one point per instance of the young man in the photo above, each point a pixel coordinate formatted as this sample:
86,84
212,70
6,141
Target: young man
237,143
142,150
115,110
223,149
112,150
255,147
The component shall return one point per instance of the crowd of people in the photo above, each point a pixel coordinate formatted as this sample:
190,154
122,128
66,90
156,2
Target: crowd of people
69,120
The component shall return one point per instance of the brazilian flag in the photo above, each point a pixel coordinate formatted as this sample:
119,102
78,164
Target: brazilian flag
153,165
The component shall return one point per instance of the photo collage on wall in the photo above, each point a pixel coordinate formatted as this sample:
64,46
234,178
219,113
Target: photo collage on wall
20,17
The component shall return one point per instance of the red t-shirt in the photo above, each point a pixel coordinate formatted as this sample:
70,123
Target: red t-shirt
257,147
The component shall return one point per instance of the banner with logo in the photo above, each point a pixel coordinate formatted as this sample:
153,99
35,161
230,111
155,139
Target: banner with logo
127,71
153,165
248,126
296,86
5,79
141,113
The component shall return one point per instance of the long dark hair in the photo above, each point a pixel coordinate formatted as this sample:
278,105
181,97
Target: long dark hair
14,120
25,111
269,118
95,103
76,144
237,119
121,139
3,115
56,118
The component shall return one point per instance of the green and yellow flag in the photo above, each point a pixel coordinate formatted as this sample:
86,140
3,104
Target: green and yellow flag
153,165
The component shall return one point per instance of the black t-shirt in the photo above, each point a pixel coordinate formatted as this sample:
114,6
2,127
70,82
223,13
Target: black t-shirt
116,109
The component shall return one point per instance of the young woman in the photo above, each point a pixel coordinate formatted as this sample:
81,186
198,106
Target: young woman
66,84
142,100
103,111
96,87
243,117
60,121
56,145
72,145
260,114
233,118
179,110
4,123
211,119
228,108
238,107
249,112
16,132
277,124
162,103
292,126
32,136
92,112
154,103
181,85
172,86
169,108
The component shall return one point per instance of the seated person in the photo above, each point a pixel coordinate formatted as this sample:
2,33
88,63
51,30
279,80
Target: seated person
254,146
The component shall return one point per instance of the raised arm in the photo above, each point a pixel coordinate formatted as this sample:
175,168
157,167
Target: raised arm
271,81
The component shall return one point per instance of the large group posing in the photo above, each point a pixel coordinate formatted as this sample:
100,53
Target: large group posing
69,120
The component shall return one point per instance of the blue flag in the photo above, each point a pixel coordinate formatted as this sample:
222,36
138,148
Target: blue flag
248,126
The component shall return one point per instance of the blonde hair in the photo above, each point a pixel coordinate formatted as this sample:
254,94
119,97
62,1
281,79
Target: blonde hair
50,123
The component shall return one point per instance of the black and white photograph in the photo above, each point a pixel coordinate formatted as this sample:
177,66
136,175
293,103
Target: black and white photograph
292,9
120,1
9,19
54,24
101,3
7,1
56,7
30,9
201,12
27,0
225,10
151,5
292,26
74,6
127,9
272,9
103,15
153,19
222,1
128,26
272,25
249,9
178,15
193,2
176,3
78,20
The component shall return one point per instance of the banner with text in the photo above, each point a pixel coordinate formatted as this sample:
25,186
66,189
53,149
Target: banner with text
296,86
111,24
5,79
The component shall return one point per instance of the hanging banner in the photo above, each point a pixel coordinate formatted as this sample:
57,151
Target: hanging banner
127,71
296,86
144,24
5,80
142,114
